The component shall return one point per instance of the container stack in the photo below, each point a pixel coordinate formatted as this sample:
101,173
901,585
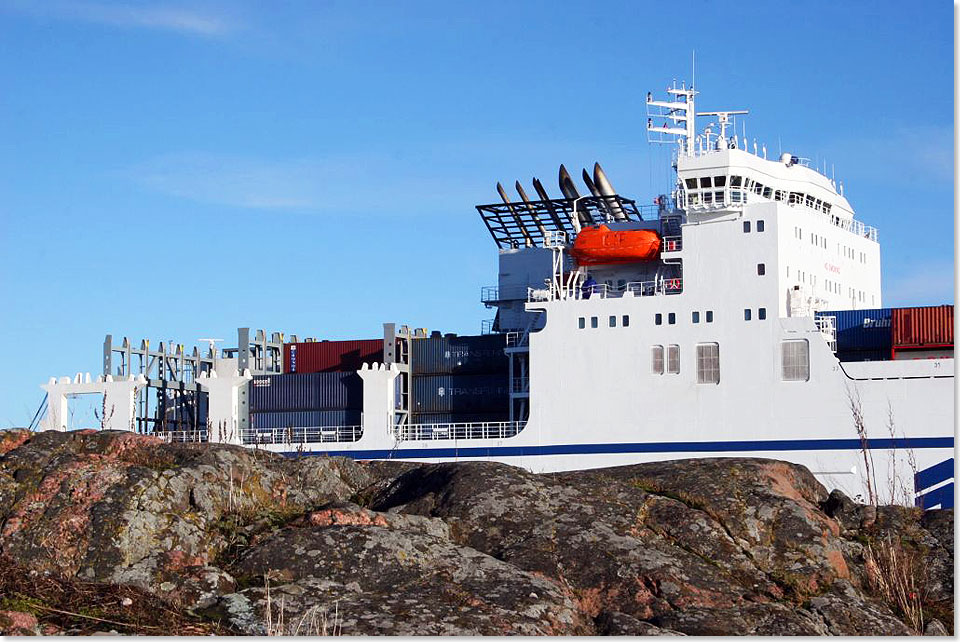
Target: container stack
331,356
459,379
862,335
893,333
301,401
923,333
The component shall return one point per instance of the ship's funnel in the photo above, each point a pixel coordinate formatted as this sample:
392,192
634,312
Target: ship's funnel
596,193
570,192
531,209
542,193
516,217
606,189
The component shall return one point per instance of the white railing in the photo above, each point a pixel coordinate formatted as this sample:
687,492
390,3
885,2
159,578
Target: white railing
457,431
183,436
828,328
302,435
605,291
672,244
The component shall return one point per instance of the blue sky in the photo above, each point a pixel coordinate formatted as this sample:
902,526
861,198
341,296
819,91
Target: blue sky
175,170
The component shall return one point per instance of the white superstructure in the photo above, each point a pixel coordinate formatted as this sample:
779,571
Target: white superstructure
709,349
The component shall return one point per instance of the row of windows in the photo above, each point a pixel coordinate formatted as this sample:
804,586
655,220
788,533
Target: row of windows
821,241
794,361
750,185
672,317
746,226
761,314
611,321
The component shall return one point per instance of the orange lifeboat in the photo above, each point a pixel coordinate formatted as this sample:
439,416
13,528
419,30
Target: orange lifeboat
600,245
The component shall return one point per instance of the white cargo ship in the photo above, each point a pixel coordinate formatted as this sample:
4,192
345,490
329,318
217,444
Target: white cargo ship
690,328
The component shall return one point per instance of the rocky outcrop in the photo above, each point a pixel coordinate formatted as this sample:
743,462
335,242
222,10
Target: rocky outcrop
251,542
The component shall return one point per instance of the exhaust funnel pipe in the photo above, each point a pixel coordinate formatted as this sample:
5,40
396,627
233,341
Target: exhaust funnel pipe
530,208
606,189
570,192
542,193
516,217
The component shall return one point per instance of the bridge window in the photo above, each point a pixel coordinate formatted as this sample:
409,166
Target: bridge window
767,192
708,363
705,181
673,359
656,360
691,183
735,181
780,195
719,181
795,360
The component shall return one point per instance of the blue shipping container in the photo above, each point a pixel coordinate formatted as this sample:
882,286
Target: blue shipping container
460,394
882,354
303,419
862,329
314,391
481,354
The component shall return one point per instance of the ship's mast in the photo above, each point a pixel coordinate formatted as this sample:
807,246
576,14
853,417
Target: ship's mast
678,116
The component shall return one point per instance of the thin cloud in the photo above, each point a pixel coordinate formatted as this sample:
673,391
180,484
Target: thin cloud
129,15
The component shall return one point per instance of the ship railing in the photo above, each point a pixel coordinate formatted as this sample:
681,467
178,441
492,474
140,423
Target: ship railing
302,435
672,243
606,291
827,325
520,384
513,339
183,436
491,294
456,431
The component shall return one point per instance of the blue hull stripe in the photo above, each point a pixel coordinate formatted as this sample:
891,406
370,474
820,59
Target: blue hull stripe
661,447
934,475
942,497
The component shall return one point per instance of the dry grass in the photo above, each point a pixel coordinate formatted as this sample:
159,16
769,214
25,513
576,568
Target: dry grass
899,576
82,607
318,620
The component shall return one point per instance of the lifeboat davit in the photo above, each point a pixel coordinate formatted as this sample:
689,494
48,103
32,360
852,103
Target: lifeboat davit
599,245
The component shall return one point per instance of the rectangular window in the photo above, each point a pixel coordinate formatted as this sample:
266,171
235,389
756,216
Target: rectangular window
762,313
795,360
594,322
705,181
625,321
656,360
760,226
708,363
719,181
672,318
709,316
746,314
582,323
658,318
761,269
735,181
767,192
673,359
695,317
746,226
691,183
613,321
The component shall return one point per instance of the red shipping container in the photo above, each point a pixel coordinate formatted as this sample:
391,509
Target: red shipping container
331,356
922,327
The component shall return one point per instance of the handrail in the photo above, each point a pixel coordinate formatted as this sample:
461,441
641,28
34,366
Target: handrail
183,436
302,435
605,291
470,430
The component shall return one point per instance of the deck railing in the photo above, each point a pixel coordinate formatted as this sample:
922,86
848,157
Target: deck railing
605,291
302,435
477,430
